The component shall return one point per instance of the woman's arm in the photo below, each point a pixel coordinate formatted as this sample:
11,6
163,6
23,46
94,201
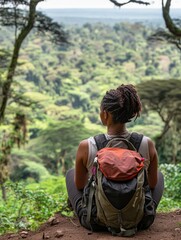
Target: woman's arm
153,167
81,173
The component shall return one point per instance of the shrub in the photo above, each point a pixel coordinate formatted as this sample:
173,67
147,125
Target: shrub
172,177
171,199
28,206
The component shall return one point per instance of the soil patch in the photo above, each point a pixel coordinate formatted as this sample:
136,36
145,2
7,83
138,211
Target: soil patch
167,226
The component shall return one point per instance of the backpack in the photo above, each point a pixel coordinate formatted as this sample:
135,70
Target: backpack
117,196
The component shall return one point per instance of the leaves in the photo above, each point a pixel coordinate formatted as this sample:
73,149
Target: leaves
54,31
31,205
163,96
172,177
164,36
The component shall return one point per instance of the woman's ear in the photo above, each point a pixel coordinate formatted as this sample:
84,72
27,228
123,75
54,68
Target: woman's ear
103,117
105,114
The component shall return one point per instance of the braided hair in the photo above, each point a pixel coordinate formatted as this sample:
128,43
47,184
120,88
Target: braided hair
123,103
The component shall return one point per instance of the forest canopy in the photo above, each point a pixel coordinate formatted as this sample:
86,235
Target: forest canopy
68,83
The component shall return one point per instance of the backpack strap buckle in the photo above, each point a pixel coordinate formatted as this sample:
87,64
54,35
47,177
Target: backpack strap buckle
123,232
128,232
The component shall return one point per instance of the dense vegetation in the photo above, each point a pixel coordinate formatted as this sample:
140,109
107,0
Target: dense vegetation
59,89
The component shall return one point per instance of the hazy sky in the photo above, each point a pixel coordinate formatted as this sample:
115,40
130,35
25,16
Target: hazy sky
98,4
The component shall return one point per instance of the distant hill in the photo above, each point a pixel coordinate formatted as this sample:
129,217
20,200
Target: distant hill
109,16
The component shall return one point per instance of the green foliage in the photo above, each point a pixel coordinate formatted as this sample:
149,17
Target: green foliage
29,206
100,57
52,185
57,144
172,176
171,199
168,205
15,136
169,149
162,96
29,170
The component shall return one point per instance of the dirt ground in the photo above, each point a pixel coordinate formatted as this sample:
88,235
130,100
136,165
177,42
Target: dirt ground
167,226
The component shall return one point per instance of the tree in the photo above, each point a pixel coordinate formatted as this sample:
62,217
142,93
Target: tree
8,140
164,97
173,35
23,17
57,144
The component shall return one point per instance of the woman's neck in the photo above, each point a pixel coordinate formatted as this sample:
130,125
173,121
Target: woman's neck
116,129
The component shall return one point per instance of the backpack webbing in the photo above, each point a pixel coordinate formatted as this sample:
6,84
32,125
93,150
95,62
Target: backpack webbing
135,139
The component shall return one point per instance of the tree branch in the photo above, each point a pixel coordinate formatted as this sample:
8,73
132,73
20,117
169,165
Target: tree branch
116,3
168,21
162,35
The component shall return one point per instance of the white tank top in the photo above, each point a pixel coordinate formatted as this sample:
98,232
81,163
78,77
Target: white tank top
143,150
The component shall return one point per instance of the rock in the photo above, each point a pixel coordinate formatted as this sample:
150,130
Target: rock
178,211
24,234
53,221
178,229
59,234
45,236
13,236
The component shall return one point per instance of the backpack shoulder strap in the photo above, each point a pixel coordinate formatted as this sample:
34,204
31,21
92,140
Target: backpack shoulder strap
136,139
101,141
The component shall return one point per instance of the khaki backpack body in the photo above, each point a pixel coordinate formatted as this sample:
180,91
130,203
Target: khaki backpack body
117,193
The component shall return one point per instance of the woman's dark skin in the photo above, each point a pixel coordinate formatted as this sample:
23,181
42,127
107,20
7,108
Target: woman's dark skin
81,172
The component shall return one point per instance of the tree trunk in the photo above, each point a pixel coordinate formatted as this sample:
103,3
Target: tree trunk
17,45
3,189
63,166
62,159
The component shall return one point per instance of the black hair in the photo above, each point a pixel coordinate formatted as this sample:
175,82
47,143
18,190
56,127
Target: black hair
123,103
